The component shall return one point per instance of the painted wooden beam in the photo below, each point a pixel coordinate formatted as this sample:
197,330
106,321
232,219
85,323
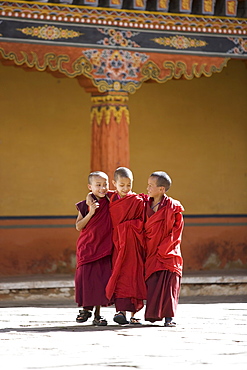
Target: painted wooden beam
227,8
203,7
181,6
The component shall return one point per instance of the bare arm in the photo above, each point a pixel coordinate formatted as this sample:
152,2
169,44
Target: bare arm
81,222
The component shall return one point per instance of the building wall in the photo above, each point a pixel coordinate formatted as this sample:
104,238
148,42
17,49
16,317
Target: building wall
195,130
45,143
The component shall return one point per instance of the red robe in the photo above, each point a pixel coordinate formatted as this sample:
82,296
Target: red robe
127,279
95,240
163,232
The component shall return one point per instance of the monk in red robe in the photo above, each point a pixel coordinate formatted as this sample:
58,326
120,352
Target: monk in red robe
163,266
126,284
94,249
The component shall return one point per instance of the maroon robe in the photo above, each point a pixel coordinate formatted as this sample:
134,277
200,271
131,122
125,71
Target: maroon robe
163,266
126,284
93,255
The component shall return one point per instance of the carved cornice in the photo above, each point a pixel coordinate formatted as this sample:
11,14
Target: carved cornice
112,70
118,50
123,18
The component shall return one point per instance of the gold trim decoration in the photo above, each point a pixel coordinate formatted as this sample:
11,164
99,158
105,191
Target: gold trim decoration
208,6
109,105
115,2
110,98
186,5
150,70
180,69
179,42
49,32
103,86
139,3
108,112
51,60
231,7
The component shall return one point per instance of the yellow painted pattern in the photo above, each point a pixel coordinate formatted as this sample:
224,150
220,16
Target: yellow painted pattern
186,4
49,32
231,7
109,106
208,6
179,42
163,4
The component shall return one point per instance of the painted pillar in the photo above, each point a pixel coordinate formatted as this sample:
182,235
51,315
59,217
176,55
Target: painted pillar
110,132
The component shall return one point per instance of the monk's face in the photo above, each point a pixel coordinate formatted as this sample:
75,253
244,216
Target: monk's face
154,191
123,185
99,186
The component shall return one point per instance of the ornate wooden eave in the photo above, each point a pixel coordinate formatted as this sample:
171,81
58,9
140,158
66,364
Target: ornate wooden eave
112,51
118,49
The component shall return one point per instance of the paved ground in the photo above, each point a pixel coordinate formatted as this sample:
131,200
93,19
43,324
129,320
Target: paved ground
211,332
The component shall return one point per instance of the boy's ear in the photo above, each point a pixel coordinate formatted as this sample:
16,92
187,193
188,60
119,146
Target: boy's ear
114,183
162,189
89,186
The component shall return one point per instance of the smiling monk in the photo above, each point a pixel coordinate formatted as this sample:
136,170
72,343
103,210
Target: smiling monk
126,284
163,266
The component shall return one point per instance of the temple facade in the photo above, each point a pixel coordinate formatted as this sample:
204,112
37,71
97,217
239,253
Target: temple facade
94,85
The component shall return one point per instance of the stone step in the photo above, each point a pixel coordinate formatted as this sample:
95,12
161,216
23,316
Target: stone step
199,283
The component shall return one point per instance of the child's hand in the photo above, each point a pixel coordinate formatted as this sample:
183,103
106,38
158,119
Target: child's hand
93,205
89,199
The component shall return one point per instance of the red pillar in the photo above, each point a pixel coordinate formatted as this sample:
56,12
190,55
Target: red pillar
110,132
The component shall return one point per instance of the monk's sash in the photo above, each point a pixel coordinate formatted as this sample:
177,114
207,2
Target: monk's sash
163,233
95,240
127,278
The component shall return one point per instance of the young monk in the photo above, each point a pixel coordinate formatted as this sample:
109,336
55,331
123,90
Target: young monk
163,266
126,284
94,248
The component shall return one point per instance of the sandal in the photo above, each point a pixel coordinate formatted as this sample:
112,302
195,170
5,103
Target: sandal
83,316
170,324
120,318
99,321
134,321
